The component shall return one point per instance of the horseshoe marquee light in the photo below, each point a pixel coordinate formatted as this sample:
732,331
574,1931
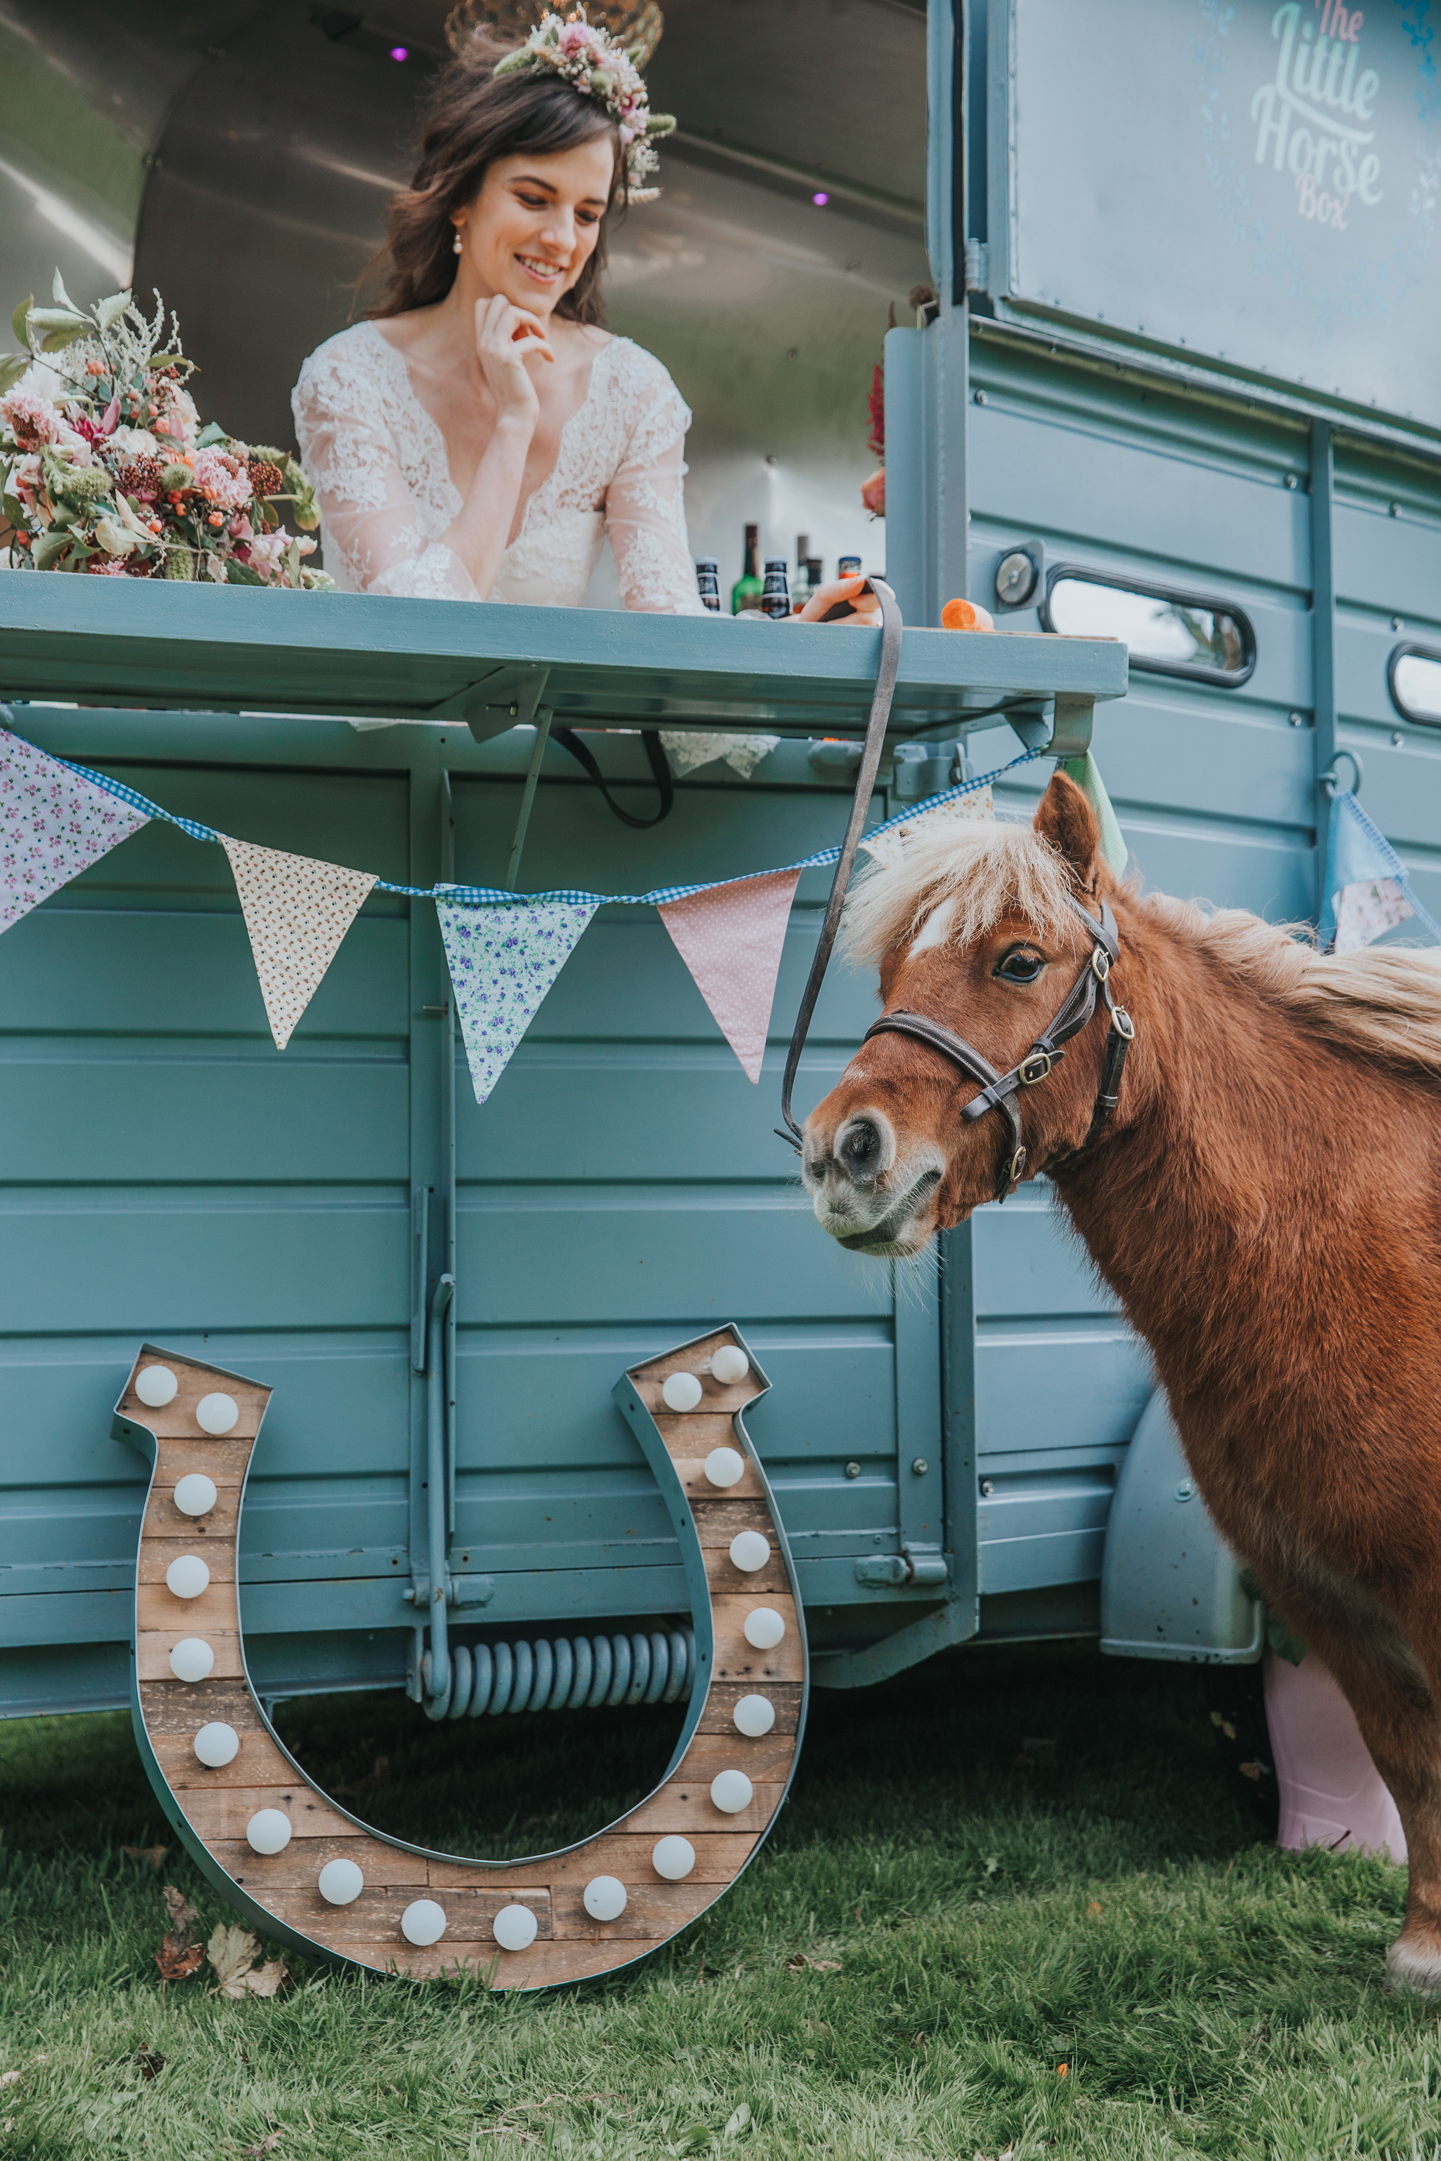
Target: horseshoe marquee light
300,1867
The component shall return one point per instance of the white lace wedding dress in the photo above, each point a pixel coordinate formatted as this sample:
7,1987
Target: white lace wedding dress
378,464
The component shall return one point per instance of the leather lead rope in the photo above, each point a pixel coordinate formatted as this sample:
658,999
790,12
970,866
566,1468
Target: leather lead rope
886,673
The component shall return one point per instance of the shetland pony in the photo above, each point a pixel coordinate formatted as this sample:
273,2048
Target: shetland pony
1265,1203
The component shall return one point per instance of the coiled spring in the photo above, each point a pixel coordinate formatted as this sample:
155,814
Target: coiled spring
571,1673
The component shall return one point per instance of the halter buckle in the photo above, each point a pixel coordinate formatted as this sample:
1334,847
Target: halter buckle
1035,1067
1123,1024
1100,963
1016,1170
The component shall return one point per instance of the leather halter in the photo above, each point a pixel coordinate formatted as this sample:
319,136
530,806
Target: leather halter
999,1091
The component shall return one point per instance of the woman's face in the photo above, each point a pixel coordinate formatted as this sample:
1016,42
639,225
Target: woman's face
534,225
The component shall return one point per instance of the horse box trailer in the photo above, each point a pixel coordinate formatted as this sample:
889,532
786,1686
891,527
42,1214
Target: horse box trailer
1172,387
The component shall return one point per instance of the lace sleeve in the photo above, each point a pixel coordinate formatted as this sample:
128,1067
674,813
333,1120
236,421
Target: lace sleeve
645,502
369,518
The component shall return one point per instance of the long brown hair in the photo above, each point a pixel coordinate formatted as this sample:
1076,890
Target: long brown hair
469,120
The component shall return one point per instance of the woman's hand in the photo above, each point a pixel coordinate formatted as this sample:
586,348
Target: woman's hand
506,339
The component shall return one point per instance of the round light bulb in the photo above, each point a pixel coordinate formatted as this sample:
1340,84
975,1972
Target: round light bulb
604,1898
673,1858
217,1414
754,1715
724,1466
268,1831
217,1745
187,1576
514,1928
192,1659
730,1364
340,1883
681,1391
750,1550
764,1628
422,1923
195,1494
731,1791
156,1386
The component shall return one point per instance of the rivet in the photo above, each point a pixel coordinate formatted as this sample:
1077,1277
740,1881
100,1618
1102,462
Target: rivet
920,1466
853,1470
1185,1491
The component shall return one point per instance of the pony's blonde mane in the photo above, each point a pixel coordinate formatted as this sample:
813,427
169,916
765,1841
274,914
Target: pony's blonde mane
954,884
978,870
1383,1005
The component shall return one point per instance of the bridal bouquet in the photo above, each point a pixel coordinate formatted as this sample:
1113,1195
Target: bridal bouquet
106,468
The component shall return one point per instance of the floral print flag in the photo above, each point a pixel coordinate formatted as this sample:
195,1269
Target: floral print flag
503,960
54,823
296,911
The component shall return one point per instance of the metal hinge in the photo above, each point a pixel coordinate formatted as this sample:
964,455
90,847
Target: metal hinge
978,266
917,1564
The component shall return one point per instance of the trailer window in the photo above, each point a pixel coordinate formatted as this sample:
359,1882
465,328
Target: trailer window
1414,675
1167,631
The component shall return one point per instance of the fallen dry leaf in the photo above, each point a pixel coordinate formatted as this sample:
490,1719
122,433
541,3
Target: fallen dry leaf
152,1856
9,2078
180,1913
1093,1911
232,1952
801,1961
179,1953
151,2062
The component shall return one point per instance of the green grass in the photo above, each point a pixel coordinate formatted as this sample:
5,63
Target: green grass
1109,1907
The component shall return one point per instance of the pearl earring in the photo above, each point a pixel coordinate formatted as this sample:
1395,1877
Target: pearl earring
458,248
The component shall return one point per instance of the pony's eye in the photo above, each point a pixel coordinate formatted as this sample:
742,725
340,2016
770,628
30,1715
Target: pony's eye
1020,967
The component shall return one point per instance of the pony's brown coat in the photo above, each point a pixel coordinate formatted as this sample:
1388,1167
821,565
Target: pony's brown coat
1266,1206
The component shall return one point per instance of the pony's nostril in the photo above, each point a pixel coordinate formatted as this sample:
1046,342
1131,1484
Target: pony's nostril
860,1149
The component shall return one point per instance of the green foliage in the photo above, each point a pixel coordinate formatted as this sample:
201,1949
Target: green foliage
943,1918
12,367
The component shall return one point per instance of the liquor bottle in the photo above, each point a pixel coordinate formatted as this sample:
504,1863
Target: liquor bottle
707,578
747,590
776,599
848,566
801,587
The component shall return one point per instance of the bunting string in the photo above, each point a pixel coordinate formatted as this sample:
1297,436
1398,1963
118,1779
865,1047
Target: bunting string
504,949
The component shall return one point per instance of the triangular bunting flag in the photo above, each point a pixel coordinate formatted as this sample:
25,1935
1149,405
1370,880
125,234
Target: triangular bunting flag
54,823
730,938
296,911
503,959
1367,890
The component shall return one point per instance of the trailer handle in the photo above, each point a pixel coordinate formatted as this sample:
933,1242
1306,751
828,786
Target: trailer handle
435,1674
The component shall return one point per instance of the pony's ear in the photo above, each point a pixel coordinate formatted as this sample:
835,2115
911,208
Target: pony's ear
1065,818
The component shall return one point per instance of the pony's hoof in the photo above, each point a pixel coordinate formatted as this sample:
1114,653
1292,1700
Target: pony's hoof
1415,1968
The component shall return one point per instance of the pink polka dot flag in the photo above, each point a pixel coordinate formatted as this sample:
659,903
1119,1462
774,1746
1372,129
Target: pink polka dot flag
730,938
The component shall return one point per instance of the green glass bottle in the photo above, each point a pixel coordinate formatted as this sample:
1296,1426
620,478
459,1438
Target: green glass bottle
749,586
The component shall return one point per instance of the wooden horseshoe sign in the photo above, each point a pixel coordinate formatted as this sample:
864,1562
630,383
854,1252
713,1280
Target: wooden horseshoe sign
300,1867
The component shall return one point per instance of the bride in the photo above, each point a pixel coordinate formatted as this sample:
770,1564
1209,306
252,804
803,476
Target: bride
481,433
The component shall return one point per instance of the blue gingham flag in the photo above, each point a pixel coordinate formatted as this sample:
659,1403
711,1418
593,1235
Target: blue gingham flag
502,963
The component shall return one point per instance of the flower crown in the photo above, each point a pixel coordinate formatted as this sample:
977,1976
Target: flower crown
590,60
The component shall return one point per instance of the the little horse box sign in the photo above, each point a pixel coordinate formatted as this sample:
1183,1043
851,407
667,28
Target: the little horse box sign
299,1866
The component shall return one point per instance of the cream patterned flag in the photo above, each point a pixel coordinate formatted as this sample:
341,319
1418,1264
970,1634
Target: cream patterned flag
1366,909
730,937
503,959
296,911
54,823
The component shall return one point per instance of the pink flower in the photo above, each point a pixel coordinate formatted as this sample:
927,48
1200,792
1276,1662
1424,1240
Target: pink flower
32,420
25,479
574,37
266,550
105,566
627,136
222,479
